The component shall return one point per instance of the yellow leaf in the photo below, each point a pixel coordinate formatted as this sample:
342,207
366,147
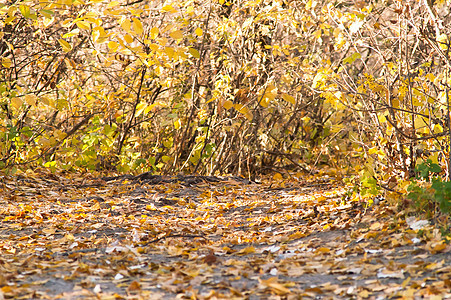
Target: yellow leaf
16,102
439,247
169,52
44,142
395,102
227,104
113,46
194,53
417,101
113,4
46,101
275,286
438,128
277,176
406,282
126,24
162,41
150,207
59,134
137,26
31,99
430,77
288,98
140,108
244,110
443,41
167,8
154,33
322,250
65,45
177,124
264,101
434,157
6,62
83,25
99,35
247,250
296,235
176,34
319,78
364,294
25,11
128,38
71,33
198,32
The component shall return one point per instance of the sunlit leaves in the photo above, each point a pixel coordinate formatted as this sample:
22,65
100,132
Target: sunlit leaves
26,12
227,104
168,8
16,102
99,35
83,25
113,46
46,13
443,41
65,45
352,58
244,110
198,31
6,62
288,98
137,26
206,238
194,52
128,38
125,24
176,34
268,94
113,4
154,33
177,124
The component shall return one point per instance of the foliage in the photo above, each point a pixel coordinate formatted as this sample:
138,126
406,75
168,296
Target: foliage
424,194
237,87
217,88
443,194
395,78
207,237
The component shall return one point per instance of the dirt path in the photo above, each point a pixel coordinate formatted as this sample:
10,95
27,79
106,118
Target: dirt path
210,238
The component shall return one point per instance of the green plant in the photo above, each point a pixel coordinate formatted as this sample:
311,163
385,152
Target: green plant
442,194
423,194
427,169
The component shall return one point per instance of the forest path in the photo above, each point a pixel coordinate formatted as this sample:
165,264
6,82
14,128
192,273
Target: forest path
193,237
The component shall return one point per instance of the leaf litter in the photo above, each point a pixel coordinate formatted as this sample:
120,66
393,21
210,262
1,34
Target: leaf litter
204,237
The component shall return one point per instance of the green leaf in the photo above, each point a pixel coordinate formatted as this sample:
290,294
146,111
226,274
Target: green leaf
46,13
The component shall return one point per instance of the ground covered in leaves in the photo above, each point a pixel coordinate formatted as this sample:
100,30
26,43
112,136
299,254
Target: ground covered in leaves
189,237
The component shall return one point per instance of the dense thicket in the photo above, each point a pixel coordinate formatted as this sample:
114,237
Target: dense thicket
239,87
